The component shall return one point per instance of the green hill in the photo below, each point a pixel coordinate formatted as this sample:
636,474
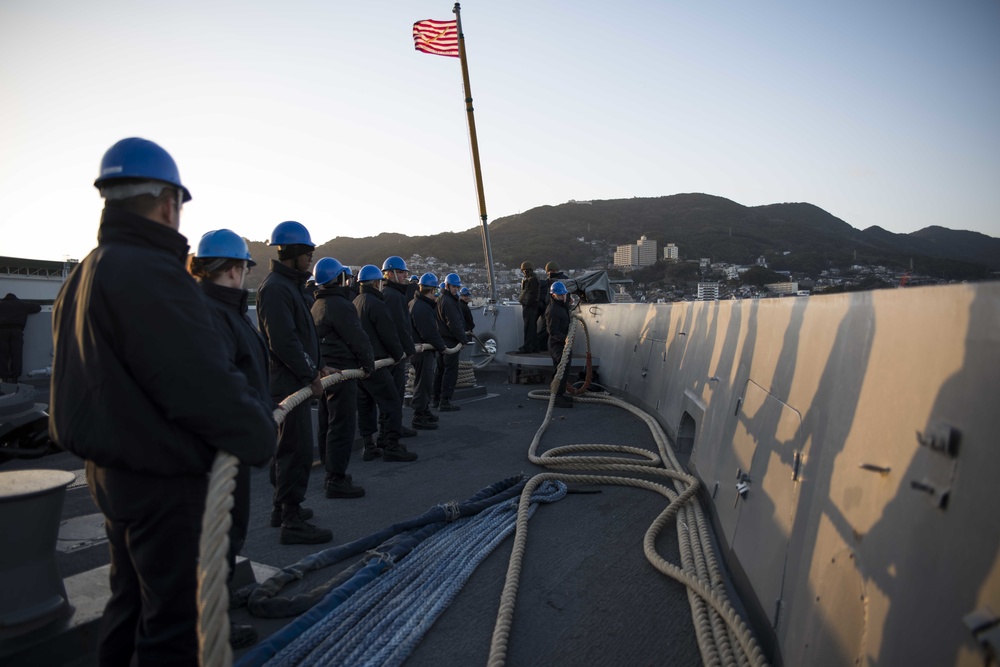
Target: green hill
792,236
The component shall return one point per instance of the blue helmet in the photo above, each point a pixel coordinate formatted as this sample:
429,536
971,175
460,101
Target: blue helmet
453,279
369,272
327,270
290,233
394,263
224,243
428,280
464,292
443,286
348,271
139,159
558,288
414,278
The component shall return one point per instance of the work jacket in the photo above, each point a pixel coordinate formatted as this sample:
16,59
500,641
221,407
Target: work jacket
451,324
286,322
394,295
529,292
425,323
141,379
378,324
557,320
14,312
343,343
470,322
245,345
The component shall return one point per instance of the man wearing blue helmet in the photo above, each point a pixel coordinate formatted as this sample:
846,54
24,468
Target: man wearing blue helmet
394,285
378,392
423,316
145,391
451,324
557,322
343,345
285,319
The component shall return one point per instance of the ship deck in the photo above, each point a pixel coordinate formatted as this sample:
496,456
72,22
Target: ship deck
587,594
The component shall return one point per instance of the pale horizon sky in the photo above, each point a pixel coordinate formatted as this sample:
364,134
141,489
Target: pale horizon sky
881,113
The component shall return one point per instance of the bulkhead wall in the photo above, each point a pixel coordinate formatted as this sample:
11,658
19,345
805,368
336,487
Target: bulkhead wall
857,543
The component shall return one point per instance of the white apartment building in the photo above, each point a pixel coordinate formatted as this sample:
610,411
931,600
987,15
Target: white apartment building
671,252
647,251
708,291
641,253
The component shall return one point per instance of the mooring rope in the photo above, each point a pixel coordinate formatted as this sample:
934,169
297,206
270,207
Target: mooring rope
213,568
723,637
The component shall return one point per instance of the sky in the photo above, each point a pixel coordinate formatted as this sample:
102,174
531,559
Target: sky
882,113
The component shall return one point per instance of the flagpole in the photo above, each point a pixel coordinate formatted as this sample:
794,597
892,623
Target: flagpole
487,247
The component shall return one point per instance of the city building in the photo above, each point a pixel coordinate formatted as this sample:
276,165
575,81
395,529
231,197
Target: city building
647,251
708,291
782,288
641,253
671,252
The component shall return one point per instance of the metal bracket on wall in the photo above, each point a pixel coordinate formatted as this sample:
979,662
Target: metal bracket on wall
985,627
941,442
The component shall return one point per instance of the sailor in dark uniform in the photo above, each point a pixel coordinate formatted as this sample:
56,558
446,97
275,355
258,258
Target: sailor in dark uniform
221,265
529,301
285,320
423,316
343,345
378,391
451,324
394,288
144,390
557,321
464,299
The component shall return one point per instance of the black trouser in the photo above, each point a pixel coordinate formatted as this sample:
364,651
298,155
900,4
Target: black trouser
423,380
241,516
11,349
556,350
399,379
378,393
153,526
530,315
293,459
445,375
338,420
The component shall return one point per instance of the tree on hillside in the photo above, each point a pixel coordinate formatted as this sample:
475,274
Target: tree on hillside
759,276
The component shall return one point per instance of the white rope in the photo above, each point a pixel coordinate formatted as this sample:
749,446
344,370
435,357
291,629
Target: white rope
213,566
723,637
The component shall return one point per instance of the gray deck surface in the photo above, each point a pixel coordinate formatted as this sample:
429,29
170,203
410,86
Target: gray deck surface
587,596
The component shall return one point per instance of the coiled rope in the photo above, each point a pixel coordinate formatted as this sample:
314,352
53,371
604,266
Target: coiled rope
723,637
213,568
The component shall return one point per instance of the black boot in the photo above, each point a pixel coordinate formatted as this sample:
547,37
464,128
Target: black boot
395,451
420,421
563,401
305,514
430,416
448,406
407,432
298,531
342,486
372,451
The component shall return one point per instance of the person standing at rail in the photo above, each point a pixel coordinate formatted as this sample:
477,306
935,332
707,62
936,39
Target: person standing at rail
529,301
451,325
144,390
423,316
343,345
378,392
285,319
221,265
13,318
557,322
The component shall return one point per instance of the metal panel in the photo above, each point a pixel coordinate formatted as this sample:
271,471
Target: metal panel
768,442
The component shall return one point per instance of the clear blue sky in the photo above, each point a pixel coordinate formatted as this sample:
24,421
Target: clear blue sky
883,113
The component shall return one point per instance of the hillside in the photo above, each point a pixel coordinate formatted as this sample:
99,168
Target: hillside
793,236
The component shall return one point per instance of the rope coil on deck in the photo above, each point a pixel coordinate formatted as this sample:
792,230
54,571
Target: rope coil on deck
213,568
723,637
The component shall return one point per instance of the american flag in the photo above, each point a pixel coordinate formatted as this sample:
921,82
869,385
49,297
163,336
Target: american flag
439,38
